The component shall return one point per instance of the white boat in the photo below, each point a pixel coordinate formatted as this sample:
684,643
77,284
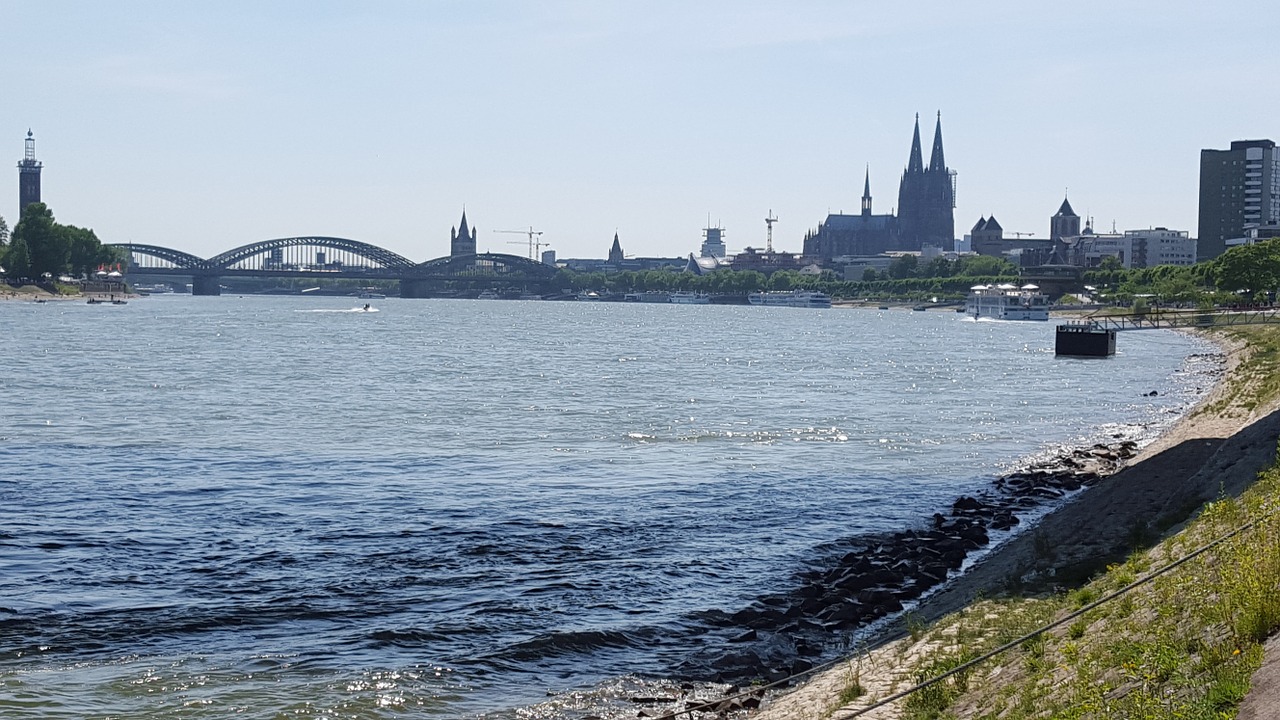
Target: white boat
369,295
690,298
489,295
794,298
1007,302
648,296
589,296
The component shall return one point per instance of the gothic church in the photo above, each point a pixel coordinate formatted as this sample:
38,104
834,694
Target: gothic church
926,204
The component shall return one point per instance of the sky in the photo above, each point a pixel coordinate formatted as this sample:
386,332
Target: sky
207,126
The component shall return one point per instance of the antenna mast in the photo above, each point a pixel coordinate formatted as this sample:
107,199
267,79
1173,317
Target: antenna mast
768,223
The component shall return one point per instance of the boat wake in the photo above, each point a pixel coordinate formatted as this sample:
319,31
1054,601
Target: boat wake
340,310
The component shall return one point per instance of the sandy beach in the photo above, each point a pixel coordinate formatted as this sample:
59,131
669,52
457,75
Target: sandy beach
1217,448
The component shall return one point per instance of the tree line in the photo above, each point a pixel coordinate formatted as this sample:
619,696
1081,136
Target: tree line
38,247
1246,273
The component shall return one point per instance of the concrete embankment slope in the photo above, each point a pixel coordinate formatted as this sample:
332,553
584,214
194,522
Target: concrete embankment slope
1217,449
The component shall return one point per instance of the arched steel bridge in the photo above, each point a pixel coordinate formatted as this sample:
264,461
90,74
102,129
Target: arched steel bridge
334,258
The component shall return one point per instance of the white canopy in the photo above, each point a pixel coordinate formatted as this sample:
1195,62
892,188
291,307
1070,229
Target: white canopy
1029,286
1006,286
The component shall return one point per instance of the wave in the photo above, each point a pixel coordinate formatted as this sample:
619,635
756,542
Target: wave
556,644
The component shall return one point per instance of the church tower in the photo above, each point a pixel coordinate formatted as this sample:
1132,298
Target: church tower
911,193
938,206
28,176
866,194
615,252
926,198
1066,223
462,241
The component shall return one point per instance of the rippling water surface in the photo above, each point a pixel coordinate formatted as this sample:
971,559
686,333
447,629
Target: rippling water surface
282,507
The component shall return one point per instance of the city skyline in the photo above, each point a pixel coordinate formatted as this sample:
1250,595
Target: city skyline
205,129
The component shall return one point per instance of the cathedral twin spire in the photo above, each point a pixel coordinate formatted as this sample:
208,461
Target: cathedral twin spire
936,162
915,164
926,196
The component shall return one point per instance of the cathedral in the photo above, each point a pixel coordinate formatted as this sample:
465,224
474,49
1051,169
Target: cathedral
926,204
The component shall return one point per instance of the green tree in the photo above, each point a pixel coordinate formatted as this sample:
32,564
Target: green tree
47,246
938,267
984,266
782,280
869,275
904,266
1249,268
4,232
1110,263
17,261
85,252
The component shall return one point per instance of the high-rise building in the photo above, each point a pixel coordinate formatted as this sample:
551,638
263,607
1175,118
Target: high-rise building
462,241
28,176
1239,191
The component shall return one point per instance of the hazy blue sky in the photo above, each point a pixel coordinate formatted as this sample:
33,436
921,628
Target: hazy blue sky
205,126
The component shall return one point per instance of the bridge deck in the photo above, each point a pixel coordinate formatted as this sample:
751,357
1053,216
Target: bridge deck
1164,319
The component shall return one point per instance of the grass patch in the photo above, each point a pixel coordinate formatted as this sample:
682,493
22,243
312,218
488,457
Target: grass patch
1256,380
1183,645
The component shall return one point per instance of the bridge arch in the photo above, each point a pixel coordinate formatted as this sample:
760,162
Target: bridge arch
481,265
140,254
379,256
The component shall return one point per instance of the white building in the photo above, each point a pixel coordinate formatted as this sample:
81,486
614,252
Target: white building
1133,248
1162,246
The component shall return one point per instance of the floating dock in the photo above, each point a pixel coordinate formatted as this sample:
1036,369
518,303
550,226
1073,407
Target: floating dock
1086,339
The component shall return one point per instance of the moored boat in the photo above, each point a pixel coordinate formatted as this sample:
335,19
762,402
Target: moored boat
794,298
690,298
648,296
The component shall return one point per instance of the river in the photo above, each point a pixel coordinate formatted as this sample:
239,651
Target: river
284,506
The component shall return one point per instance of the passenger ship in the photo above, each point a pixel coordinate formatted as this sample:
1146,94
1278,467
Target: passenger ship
690,298
1007,302
795,298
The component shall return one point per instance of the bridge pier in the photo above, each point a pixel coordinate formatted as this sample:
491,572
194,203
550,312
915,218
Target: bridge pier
415,288
206,285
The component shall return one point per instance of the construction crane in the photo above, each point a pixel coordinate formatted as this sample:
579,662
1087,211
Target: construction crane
535,242
1020,234
769,220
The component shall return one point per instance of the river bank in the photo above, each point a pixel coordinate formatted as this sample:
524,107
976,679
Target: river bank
1217,448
